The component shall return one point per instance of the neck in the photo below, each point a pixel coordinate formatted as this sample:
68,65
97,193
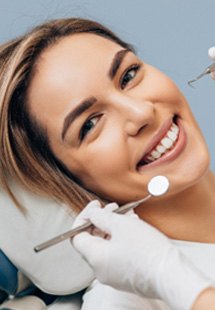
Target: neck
186,216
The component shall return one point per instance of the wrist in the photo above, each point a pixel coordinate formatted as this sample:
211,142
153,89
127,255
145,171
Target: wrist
205,300
180,282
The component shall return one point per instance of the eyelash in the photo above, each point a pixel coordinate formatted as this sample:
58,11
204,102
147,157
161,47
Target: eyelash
84,130
123,83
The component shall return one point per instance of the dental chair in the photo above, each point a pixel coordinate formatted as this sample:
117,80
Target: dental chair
52,279
17,291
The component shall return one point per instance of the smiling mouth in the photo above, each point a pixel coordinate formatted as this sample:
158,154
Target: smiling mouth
163,146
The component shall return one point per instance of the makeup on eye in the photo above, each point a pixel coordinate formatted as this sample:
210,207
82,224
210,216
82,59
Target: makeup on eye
129,75
126,77
89,124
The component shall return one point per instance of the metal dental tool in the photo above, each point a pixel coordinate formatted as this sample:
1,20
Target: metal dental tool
157,186
208,70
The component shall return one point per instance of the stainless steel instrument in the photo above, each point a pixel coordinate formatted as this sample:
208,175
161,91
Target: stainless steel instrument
157,186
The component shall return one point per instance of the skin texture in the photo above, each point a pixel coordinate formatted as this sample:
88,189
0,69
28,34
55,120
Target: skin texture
123,122
206,300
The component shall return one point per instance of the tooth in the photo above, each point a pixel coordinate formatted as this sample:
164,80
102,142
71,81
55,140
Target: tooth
155,154
161,149
172,135
167,143
175,128
150,158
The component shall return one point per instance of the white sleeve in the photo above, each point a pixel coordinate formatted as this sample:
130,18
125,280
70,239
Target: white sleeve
108,298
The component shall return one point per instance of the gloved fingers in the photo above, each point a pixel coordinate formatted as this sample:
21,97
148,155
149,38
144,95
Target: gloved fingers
110,222
211,54
132,214
114,206
103,219
96,231
82,216
90,247
110,207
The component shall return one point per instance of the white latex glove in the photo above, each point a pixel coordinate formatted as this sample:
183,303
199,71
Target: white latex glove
211,54
137,258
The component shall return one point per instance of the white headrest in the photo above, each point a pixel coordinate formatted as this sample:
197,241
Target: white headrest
57,270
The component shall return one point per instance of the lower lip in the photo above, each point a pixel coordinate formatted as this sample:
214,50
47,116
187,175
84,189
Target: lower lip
173,153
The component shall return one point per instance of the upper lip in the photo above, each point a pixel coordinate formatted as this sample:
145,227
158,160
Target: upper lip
161,132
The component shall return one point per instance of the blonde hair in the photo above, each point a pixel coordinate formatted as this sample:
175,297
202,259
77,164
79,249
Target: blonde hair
25,154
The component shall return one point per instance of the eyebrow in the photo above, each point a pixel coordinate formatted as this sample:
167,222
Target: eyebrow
116,62
89,102
81,108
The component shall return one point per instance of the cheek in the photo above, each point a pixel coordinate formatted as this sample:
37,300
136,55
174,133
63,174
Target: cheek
103,163
197,152
106,159
160,87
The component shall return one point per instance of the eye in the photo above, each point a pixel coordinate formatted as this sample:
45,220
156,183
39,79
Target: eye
129,75
88,126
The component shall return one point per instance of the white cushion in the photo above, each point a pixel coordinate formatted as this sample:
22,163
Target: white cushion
57,270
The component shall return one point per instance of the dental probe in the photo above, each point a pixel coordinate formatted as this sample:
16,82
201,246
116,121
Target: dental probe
157,186
208,70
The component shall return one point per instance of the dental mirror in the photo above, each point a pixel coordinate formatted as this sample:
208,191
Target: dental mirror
157,186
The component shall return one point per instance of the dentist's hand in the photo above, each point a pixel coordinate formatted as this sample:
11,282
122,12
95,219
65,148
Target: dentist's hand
136,257
211,54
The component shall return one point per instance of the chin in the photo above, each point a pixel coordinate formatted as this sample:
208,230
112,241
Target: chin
190,174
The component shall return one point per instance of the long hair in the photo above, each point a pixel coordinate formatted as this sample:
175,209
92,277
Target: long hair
25,154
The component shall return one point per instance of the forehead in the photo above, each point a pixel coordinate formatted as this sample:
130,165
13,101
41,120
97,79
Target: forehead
70,70
72,60
77,52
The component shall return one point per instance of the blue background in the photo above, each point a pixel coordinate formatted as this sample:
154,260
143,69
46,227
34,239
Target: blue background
173,35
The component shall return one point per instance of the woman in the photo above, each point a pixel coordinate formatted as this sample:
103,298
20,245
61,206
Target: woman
94,120
152,258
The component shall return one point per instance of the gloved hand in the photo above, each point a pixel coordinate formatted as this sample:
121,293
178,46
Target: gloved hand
137,258
211,54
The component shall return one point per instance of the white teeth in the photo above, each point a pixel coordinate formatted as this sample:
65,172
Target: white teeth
175,128
150,158
161,149
172,135
167,143
155,154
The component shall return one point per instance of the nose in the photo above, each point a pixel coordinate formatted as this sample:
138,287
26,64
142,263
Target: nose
136,114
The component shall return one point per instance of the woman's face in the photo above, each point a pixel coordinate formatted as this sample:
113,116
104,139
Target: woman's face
114,120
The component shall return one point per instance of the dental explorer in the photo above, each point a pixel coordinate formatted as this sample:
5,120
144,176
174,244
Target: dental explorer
208,70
